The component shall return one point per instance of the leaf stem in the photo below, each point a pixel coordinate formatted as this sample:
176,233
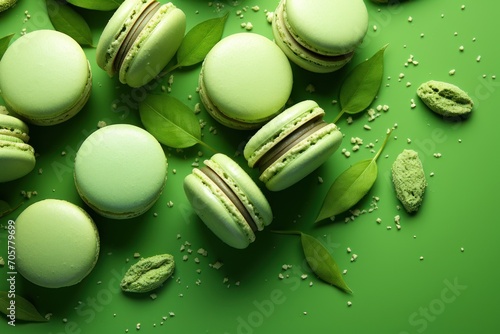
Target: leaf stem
202,143
338,116
291,232
167,71
389,131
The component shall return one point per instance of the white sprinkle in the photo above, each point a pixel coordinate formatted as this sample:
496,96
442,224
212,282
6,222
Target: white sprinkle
421,258
349,303
452,72
303,276
410,19
344,272
255,8
378,220
478,59
462,249
366,127
461,48
374,28
348,249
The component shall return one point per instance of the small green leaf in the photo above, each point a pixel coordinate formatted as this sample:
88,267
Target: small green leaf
4,44
320,260
351,186
170,121
362,84
199,41
103,5
66,20
19,308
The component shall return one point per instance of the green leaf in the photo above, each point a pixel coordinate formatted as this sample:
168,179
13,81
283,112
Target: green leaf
66,20
351,186
320,260
24,310
4,44
362,84
170,121
5,208
103,5
199,41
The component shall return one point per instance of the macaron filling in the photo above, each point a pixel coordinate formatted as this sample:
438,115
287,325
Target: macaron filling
143,20
233,197
282,147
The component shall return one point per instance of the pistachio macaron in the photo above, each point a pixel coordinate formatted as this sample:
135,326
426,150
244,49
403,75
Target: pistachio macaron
320,35
120,171
228,201
140,39
245,80
17,157
292,145
45,77
6,4
57,243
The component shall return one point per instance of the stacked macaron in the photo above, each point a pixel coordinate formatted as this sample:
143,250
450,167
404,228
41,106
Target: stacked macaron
292,145
140,39
245,80
320,35
228,201
17,157
60,80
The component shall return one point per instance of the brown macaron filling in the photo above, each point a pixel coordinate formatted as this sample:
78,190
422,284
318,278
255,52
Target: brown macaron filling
300,134
212,175
144,17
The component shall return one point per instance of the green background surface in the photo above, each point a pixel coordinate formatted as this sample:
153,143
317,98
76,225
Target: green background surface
449,291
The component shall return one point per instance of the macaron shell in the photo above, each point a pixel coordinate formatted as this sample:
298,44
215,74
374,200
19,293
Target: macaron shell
301,56
120,171
57,243
15,127
217,211
278,128
51,89
302,159
328,27
247,77
245,188
155,46
17,159
115,32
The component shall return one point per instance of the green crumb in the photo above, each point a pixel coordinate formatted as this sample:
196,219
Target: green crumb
445,99
409,180
148,273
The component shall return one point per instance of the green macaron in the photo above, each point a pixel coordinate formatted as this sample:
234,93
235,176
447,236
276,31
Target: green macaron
120,171
45,77
228,201
6,4
320,35
245,80
57,243
17,158
292,145
140,39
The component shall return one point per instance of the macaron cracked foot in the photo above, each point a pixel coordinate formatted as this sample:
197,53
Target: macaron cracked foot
292,145
140,39
228,201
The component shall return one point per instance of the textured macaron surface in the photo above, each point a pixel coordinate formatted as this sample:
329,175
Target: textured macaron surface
48,88
247,77
140,39
292,145
328,27
57,243
215,200
17,158
120,170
